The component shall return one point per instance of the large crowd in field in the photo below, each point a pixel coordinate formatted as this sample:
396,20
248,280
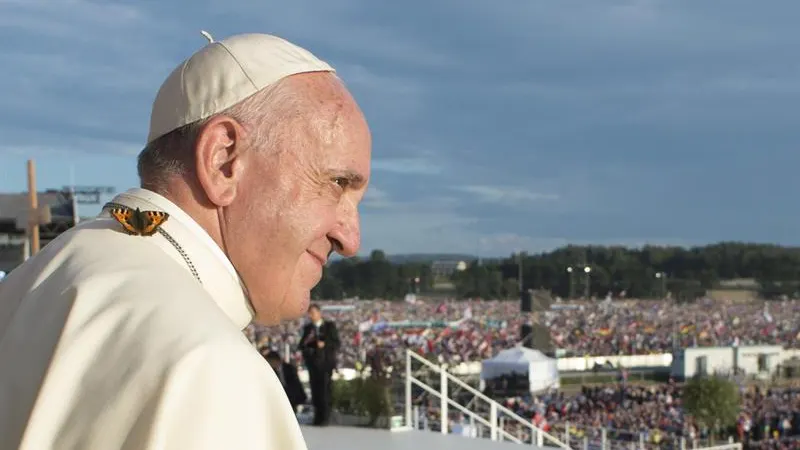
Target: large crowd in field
626,414
456,331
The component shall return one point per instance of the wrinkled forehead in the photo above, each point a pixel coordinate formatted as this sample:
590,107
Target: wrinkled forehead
340,131
340,122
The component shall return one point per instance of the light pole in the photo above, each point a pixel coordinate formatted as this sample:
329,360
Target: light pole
588,270
571,283
414,285
663,277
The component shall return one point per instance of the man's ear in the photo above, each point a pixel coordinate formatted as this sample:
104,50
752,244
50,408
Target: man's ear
218,158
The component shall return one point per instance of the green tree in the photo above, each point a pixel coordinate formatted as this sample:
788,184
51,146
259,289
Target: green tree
377,255
479,281
689,272
375,277
712,401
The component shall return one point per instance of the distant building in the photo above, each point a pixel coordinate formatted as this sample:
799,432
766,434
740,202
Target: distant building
446,268
753,360
733,295
739,290
739,283
14,207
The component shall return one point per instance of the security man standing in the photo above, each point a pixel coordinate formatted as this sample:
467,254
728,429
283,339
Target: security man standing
320,345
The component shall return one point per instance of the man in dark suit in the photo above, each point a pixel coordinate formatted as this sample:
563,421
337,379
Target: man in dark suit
319,345
287,373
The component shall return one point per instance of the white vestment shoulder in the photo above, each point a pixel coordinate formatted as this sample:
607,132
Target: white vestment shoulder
108,341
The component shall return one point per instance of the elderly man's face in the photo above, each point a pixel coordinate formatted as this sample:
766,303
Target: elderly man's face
298,204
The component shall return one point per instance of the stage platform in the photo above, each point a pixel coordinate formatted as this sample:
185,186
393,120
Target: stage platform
353,438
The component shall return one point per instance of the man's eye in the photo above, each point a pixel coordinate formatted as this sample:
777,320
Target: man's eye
342,182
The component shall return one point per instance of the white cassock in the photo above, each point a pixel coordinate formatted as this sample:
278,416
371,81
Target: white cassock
110,341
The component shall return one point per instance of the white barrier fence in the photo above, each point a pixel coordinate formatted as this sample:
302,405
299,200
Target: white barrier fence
575,364
580,364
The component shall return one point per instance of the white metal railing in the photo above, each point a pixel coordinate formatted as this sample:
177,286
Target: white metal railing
733,446
539,437
592,438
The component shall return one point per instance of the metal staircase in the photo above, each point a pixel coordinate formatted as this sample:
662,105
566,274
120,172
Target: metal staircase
491,414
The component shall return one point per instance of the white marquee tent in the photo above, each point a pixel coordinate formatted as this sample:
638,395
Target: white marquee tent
542,370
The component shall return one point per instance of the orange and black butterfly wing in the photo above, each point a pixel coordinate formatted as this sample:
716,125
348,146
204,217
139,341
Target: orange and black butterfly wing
125,217
152,220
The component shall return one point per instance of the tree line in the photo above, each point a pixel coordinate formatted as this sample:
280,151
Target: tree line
578,271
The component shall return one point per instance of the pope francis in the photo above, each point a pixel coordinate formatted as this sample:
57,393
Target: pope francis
126,331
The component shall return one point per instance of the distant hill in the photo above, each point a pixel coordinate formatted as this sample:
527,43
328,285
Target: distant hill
429,257
418,257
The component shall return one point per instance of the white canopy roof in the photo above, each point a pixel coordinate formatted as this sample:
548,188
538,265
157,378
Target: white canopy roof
520,355
542,370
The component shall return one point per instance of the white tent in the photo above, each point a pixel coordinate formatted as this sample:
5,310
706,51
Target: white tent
542,370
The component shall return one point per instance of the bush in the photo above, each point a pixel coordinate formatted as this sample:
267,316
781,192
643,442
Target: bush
712,401
366,397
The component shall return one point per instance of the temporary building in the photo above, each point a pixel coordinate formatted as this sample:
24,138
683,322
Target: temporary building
542,370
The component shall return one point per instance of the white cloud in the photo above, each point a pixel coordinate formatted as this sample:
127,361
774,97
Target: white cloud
81,64
428,232
506,243
564,96
495,244
85,26
47,16
640,12
412,232
357,74
506,195
417,166
376,198
341,26
40,148
379,94
45,71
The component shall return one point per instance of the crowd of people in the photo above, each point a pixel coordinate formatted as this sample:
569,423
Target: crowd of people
653,415
457,331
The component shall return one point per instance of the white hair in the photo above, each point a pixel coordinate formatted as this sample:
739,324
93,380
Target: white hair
266,116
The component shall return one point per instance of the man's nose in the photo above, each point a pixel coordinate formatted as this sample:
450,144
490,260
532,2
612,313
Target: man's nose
346,237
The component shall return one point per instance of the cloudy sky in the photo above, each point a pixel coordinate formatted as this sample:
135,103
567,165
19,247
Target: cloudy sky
498,125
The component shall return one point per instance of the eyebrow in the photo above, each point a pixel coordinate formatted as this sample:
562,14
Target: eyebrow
355,178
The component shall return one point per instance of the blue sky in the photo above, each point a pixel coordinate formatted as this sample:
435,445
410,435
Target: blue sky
498,125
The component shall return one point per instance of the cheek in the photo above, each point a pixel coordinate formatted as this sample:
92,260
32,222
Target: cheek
283,219
312,222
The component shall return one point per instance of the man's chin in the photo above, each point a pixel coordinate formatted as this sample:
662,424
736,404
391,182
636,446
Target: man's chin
305,302
294,307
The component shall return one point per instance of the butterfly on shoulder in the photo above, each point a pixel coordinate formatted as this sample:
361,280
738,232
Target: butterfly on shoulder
139,223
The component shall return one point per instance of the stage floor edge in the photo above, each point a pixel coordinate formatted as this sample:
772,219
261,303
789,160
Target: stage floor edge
354,438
